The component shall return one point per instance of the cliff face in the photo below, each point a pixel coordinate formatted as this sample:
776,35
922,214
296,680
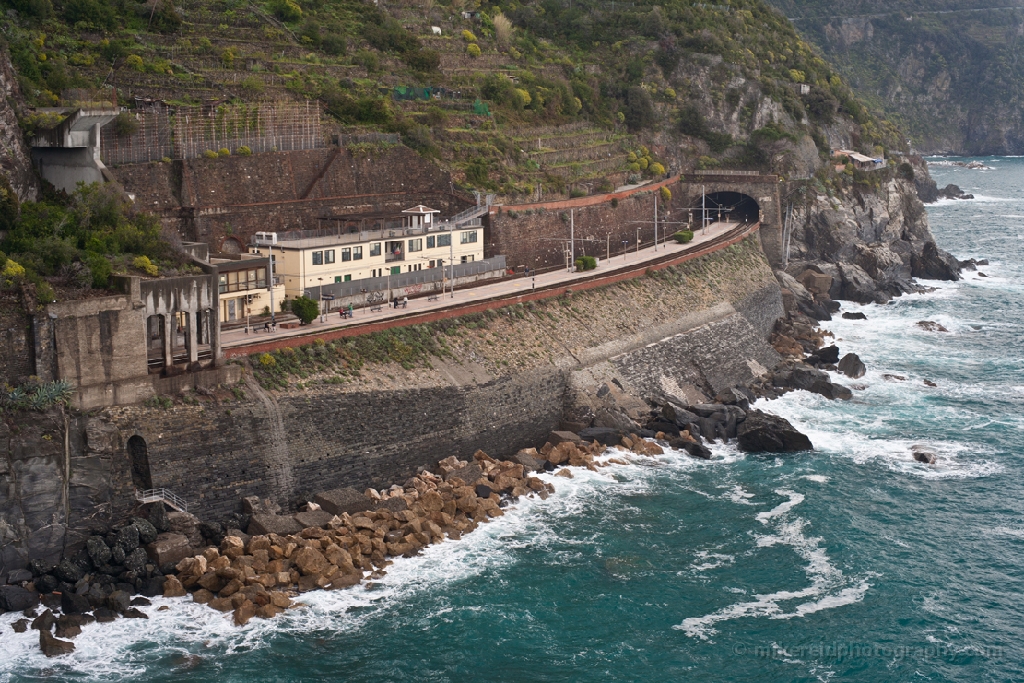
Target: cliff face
950,74
871,241
15,160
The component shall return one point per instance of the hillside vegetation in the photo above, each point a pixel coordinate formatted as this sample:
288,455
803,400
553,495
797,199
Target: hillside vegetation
951,74
503,79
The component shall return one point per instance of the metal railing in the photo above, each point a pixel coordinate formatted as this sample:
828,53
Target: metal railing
162,496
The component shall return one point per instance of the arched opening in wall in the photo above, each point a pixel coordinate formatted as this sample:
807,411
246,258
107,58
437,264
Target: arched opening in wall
138,458
155,342
733,207
231,246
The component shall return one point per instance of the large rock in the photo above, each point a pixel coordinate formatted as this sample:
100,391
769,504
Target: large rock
765,433
136,561
309,561
340,501
54,647
313,518
99,551
606,436
17,599
72,603
529,459
128,539
469,473
147,532
168,548
851,366
262,525
934,264
858,286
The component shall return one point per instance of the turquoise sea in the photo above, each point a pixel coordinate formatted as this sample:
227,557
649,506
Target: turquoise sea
850,563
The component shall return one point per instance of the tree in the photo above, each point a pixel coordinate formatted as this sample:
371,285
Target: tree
502,29
639,109
306,309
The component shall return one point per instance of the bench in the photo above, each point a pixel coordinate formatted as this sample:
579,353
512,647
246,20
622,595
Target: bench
434,297
377,307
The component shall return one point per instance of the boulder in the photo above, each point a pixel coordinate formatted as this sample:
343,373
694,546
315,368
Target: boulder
147,532
922,454
606,436
168,548
16,576
133,613
104,615
309,561
858,286
529,459
855,315
851,366
340,501
468,473
692,448
558,437
817,283
20,626
119,601
934,264
254,505
53,647
264,524
483,491
70,603
931,326
765,433
17,599
44,622
313,518
393,504
99,551
69,571
128,539
615,419
827,354
136,561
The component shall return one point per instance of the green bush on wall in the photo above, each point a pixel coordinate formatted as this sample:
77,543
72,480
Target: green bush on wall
683,236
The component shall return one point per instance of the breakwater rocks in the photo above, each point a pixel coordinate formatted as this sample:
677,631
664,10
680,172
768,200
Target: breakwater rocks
338,540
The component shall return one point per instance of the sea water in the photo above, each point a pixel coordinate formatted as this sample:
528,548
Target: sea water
853,562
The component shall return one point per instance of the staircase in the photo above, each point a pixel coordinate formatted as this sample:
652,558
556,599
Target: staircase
162,496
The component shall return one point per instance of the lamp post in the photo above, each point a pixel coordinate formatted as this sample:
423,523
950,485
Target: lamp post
269,239
638,241
625,243
320,297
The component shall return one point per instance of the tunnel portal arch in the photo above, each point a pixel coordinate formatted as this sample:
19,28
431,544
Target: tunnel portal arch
734,206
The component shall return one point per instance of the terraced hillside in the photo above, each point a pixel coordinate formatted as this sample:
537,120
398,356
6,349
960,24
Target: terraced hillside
525,100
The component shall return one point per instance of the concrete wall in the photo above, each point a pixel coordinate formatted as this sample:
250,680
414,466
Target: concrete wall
99,341
66,167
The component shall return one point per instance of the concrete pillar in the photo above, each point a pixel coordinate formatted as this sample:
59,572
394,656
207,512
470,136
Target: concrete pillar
168,331
190,337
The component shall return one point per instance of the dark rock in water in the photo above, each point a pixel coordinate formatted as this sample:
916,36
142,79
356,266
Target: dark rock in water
981,274
528,459
70,603
765,433
828,355
483,491
20,626
141,602
922,454
692,448
98,551
661,426
969,264
75,620
153,587
982,262
147,532
53,647
831,391
929,383
934,264
132,613
119,601
931,326
606,436
51,600
44,622
735,396
851,366
19,576
104,615
856,315
894,378
16,599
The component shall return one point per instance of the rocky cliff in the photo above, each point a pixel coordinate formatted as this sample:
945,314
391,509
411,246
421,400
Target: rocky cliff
15,161
868,237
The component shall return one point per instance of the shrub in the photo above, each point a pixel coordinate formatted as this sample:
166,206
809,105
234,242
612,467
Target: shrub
473,50
100,268
286,10
267,361
634,167
666,194
615,202
210,154
125,124
577,192
586,263
305,308
224,152
683,236
244,151
502,29
468,36
145,265
656,169
134,62
643,162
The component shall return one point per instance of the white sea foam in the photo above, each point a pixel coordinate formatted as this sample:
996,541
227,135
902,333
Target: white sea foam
828,587
739,495
819,478
707,560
